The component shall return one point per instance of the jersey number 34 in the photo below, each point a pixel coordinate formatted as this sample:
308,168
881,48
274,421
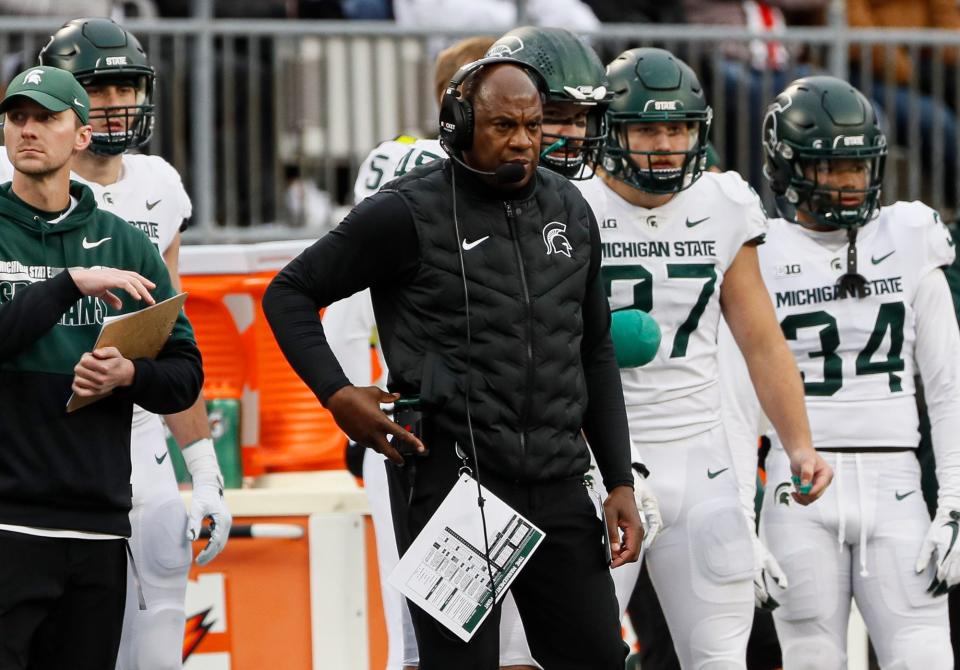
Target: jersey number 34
889,318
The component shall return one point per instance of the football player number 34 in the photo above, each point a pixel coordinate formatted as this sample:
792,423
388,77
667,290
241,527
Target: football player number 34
889,319
642,282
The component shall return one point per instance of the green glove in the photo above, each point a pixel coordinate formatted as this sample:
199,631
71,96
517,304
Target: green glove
636,337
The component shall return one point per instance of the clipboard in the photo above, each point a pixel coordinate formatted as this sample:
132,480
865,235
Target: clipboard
139,334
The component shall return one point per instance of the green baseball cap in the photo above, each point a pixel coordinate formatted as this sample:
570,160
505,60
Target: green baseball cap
51,88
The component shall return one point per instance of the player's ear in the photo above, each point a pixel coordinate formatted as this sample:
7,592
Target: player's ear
83,137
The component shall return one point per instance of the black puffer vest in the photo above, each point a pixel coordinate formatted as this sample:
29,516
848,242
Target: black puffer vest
527,262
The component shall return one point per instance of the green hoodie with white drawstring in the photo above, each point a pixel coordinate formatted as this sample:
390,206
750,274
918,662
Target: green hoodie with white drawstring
72,471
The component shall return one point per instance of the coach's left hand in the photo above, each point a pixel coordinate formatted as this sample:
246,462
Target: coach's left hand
100,371
620,509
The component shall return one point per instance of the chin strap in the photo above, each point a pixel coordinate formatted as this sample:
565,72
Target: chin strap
852,283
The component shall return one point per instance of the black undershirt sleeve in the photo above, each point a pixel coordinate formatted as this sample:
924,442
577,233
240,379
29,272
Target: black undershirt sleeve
171,382
376,242
605,421
33,311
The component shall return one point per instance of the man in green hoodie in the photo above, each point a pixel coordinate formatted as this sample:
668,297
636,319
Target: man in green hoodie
65,478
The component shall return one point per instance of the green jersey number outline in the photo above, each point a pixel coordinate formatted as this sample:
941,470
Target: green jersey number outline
890,317
643,293
375,180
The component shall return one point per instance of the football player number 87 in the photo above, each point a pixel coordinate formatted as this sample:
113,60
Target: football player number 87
643,293
889,318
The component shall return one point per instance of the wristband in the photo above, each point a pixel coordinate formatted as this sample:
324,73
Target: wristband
201,458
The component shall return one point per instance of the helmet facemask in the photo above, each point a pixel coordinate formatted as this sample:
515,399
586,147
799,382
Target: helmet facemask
823,203
636,167
572,156
135,121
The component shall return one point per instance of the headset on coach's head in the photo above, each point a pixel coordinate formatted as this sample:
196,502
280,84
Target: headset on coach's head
456,113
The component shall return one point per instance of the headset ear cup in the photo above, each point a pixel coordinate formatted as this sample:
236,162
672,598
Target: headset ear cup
467,136
448,120
456,122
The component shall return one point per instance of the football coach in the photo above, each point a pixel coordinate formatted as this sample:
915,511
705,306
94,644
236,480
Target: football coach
65,478
485,277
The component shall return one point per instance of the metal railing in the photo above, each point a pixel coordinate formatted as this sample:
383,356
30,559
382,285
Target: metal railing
246,108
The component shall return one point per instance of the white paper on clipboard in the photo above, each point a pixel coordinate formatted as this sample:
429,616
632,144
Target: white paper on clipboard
445,572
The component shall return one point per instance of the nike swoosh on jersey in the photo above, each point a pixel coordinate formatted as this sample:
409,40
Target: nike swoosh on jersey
467,246
711,475
878,261
151,205
691,224
898,496
91,245
160,459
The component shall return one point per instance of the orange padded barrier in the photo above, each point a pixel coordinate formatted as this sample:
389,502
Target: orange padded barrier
283,425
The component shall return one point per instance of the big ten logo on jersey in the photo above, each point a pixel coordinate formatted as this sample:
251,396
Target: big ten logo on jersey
789,270
608,224
151,228
206,637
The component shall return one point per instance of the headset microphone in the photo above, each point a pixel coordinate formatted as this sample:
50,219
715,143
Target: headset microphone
508,173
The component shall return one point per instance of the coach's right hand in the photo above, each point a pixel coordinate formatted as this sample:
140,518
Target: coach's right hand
98,282
357,411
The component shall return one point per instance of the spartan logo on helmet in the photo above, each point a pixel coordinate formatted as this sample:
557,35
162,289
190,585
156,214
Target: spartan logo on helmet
555,240
506,46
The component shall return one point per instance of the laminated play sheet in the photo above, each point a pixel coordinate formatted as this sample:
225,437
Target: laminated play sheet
445,569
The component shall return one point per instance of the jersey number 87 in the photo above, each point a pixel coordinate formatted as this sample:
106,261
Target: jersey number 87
643,293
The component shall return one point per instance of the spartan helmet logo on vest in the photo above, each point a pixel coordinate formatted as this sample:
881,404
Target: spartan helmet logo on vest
33,77
554,239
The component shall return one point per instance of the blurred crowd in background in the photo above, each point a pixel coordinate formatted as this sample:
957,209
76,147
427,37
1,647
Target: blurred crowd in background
285,163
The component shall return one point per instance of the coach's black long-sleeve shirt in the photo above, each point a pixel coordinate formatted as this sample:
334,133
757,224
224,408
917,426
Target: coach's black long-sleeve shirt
377,246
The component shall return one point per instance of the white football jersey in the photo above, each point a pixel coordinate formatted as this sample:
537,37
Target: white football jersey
392,159
856,354
149,195
670,262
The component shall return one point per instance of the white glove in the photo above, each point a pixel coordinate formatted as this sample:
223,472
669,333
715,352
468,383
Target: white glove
938,548
649,509
201,460
764,564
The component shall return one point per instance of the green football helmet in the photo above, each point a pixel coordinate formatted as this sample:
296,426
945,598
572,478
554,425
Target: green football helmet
654,86
98,51
575,75
813,123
